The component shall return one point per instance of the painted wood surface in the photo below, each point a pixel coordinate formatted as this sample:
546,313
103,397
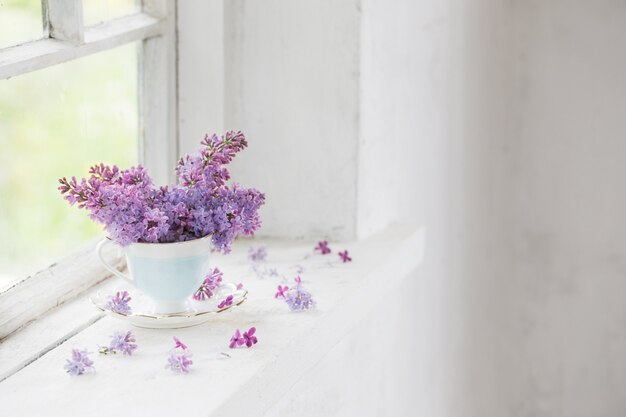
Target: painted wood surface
252,380
47,52
63,20
25,300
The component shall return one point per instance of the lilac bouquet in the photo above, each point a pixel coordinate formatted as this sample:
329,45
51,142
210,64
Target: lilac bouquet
200,204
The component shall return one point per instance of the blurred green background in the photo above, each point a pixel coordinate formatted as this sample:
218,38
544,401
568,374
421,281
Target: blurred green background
58,122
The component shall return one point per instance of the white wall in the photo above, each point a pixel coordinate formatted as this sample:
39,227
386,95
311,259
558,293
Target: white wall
567,326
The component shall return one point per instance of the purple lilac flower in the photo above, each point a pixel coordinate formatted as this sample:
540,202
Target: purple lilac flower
273,272
200,204
228,301
299,299
281,291
79,363
179,344
323,247
211,282
121,342
344,256
240,286
257,254
179,360
248,337
119,303
236,340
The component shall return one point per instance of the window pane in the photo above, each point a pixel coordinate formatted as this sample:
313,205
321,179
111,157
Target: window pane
53,123
98,11
20,21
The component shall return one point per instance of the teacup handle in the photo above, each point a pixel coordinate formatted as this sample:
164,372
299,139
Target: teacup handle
108,267
226,288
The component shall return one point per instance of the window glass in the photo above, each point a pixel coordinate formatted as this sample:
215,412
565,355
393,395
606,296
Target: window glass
58,122
98,11
20,21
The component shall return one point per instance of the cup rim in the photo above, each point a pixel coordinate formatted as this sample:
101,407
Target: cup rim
161,243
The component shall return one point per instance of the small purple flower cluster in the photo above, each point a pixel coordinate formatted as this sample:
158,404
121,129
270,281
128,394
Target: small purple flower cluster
211,282
119,303
179,361
323,248
123,342
79,363
248,338
226,302
297,298
200,204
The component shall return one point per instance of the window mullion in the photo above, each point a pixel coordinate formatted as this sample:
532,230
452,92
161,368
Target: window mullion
63,20
158,96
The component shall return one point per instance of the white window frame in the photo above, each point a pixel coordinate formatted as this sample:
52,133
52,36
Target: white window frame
65,39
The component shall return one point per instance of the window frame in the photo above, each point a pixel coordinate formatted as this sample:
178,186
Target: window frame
154,27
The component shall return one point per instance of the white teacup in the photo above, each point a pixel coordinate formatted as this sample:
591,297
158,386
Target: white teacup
169,273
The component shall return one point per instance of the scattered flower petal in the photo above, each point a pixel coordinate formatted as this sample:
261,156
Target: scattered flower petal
249,338
240,286
123,342
179,344
211,282
79,363
281,292
228,301
236,340
299,299
119,303
179,362
323,247
344,256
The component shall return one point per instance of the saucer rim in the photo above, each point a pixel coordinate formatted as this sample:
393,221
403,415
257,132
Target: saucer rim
244,297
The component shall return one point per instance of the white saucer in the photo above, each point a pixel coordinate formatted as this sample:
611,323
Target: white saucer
141,315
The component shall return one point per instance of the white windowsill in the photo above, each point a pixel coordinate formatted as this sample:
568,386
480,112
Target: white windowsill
250,381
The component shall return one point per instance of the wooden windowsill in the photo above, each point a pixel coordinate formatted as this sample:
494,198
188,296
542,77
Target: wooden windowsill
248,382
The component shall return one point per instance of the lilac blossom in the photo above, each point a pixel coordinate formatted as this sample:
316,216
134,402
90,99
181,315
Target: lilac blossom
299,299
273,272
257,254
179,360
345,257
239,286
200,204
228,301
323,247
248,337
236,340
119,303
179,344
123,342
281,291
79,363
211,282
